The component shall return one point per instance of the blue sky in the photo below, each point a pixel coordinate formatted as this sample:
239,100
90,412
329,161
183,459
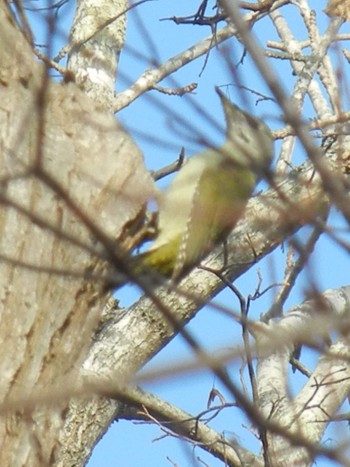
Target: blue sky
128,444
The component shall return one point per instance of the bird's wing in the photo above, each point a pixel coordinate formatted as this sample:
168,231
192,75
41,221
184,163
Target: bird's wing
218,203
175,203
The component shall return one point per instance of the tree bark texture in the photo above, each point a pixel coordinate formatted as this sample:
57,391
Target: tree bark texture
70,179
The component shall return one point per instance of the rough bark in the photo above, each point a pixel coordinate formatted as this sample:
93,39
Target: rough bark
70,179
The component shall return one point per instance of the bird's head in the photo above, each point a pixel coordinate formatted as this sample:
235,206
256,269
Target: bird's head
248,139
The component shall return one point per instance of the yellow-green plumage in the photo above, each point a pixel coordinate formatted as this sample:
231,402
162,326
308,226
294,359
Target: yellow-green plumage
208,196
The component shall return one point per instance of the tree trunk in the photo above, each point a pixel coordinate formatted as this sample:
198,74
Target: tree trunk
70,179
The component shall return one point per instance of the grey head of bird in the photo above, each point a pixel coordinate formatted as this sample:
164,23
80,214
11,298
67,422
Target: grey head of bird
248,139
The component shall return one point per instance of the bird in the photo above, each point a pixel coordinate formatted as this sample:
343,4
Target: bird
208,196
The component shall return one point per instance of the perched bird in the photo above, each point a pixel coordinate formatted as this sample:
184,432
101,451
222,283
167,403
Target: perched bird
208,196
